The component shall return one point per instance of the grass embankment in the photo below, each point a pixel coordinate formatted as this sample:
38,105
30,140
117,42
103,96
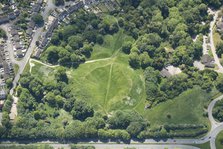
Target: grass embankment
219,141
188,108
204,146
16,68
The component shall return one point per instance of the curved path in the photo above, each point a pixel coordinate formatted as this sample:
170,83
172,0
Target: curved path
213,48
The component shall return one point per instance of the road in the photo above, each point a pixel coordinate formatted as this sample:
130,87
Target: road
22,63
216,127
213,49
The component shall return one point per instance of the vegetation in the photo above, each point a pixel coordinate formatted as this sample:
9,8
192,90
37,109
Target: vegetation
38,19
219,140
27,147
2,33
108,85
217,111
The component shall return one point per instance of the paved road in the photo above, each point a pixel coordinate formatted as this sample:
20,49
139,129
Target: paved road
22,63
213,49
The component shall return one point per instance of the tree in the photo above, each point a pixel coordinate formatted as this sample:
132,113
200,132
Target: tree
219,83
59,2
38,19
2,33
219,49
50,99
134,60
82,110
52,55
126,47
61,75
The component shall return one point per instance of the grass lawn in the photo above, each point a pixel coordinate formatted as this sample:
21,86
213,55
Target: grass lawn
108,85
112,44
217,37
43,72
16,68
219,141
188,108
204,146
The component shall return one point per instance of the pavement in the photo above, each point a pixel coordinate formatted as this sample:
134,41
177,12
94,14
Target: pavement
213,49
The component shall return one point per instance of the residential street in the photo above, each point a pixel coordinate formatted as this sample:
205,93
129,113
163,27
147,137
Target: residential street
213,49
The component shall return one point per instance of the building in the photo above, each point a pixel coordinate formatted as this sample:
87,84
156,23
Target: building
164,73
19,53
170,71
1,104
208,61
4,19
2,94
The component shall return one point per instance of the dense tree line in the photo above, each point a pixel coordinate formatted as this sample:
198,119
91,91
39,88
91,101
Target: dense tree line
217,111
2,33
72,44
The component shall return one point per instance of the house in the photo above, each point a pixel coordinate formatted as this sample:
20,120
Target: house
36,8
31,24
170,71
14,32
37,53
19,53
208,61
75,7
1,104
18,46
29,32
11,16
2,94
165,73
16,38
4,19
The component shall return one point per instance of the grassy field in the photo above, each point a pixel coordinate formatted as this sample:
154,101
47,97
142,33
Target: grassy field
219,141
111,45
188,108
43,72
217,37
203,146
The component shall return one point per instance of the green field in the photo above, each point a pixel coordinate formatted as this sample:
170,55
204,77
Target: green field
219,140
188,108
111,45
108,84
204,146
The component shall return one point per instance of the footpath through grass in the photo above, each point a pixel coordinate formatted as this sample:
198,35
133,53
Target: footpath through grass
188,108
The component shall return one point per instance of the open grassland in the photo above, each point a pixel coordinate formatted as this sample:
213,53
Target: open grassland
108,85
219,141
111,46
43,72
188,108
203,146
216,37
